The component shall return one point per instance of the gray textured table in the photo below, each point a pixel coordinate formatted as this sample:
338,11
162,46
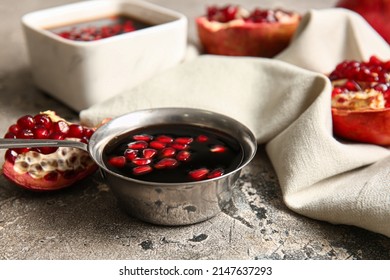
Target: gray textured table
84,221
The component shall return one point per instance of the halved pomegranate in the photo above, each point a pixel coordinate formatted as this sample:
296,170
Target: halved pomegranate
48,168
232,30
376,12
361,101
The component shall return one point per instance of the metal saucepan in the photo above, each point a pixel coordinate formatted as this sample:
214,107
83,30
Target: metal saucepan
162,203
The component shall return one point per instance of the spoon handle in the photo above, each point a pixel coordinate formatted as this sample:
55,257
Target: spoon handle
36,143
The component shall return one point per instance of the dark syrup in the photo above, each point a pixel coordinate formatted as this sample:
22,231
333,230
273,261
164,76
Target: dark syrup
100,28
201,155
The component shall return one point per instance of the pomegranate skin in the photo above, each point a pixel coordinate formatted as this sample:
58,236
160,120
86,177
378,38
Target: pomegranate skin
368,126
27,182
376,12
245,38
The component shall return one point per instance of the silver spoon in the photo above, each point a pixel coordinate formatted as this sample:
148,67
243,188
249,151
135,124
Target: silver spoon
6,143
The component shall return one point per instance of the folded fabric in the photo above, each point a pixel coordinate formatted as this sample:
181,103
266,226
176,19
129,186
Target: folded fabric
288,108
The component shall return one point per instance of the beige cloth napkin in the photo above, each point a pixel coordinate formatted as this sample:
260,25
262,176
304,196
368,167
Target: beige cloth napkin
288,108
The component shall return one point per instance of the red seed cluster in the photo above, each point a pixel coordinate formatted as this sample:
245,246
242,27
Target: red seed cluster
373,70
229,12
224,14
42,127
93,33
360,76
146,153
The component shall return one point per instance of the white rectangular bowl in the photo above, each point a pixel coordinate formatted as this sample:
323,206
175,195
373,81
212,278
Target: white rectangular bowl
81,74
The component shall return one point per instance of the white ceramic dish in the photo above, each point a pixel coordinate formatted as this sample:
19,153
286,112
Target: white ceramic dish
81,74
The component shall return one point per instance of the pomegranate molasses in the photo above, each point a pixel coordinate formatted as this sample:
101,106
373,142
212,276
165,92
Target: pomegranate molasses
173,153
99,28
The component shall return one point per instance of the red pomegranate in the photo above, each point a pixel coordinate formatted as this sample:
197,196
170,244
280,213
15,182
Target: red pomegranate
376,12
47,168
232,30
361,101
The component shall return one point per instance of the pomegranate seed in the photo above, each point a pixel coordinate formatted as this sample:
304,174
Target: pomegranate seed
22,150
179,146
92,33
164,139
184,140
61,127
141,161
352,86
57,136
199,174
41,132
138,145
26,134
183,156
166,163
130,154
47,150
218,149
373,70
202,138
168,152
88,132
215,173
84,140
157,145
149,153
26,122
44,120
128,26
143,137
14,129
52,176
118,161
11,155
143,169
75,131
381,87
9,135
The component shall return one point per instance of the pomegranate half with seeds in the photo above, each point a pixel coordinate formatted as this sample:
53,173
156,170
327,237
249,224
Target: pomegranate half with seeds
47,168
234,31
361,100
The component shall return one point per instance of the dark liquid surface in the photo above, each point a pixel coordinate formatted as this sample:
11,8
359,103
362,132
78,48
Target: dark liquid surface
82,27
201,154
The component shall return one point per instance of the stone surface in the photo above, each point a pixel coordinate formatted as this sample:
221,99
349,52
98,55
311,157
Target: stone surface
84,221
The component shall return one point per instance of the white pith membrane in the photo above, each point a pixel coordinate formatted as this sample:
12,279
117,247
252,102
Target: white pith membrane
38,165
281,16
365,99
